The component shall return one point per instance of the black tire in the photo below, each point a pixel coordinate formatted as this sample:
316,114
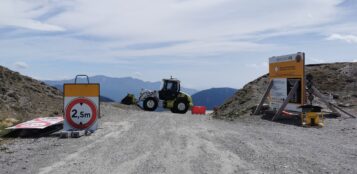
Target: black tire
181,106
150,104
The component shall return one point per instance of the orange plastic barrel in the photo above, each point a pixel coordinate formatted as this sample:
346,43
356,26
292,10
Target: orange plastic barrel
198,110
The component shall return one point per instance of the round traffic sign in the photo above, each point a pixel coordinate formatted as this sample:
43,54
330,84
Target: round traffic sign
81,113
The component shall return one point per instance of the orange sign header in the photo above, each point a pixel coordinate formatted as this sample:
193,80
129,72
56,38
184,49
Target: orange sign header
290,66
81,90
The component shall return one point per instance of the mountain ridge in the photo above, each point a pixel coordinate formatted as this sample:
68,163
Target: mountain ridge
212,97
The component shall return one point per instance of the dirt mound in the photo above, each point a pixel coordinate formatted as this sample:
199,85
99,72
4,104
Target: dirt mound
23,98
337,79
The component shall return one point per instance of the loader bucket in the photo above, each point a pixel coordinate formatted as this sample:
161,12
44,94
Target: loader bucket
129,100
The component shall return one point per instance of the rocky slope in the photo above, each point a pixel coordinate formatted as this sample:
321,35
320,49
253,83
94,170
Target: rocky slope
337,79
23,98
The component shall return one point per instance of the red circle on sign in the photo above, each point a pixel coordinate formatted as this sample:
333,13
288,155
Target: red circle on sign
91,106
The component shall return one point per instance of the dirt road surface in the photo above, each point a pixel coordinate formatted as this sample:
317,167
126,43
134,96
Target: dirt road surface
144,142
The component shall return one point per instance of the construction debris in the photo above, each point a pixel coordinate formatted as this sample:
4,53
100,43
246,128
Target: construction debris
74,134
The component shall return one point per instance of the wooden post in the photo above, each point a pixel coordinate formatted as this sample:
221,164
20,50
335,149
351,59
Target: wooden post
330,105
324,99
257,110
343,110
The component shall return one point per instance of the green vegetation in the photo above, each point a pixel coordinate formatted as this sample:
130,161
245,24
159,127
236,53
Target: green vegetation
3,131
6,123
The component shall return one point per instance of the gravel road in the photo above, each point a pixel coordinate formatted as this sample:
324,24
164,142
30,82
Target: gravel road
132,141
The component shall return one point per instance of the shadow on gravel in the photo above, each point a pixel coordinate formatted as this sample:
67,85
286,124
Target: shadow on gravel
35,133
296,121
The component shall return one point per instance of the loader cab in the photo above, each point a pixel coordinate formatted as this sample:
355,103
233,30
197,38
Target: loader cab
170,89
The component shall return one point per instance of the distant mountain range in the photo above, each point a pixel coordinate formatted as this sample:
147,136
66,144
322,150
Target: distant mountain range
212,98
106,99
117,88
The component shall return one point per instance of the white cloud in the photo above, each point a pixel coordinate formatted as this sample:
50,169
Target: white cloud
209,34
344,27
159,20
346,38
34,25
69,49
197,48
21,65
210,27
23,14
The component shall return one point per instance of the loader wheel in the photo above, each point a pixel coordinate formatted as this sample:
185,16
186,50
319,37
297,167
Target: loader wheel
181,106
150,104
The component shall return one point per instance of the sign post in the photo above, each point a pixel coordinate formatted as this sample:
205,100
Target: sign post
286,90
81,106
288,76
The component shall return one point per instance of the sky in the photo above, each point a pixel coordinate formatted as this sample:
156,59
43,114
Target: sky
204,43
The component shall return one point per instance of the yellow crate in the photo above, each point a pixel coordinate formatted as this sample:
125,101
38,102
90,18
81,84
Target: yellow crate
312,119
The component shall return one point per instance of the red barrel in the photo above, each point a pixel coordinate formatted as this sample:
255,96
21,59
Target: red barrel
198,110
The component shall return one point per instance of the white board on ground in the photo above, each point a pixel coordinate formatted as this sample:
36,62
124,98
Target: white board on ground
38,123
